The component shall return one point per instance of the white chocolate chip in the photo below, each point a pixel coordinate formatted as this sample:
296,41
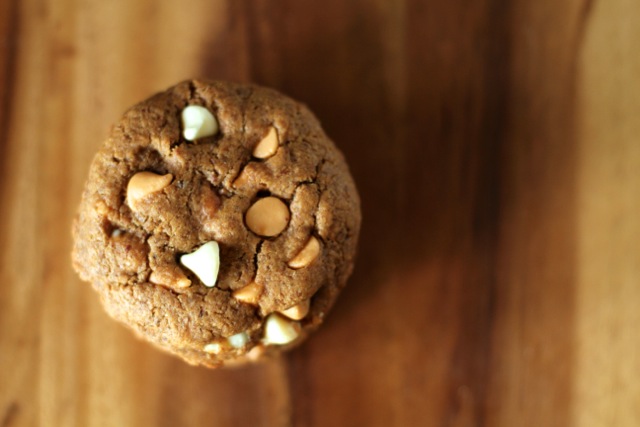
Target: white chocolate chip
268,217
116,233
144,183
204,262
213,348
250,294
298,311
238,340
198,122
278,330
268,146
306,255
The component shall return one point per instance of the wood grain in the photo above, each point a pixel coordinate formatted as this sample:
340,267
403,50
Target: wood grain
495,145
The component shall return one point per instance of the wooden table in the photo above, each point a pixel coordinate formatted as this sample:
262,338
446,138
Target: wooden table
496,146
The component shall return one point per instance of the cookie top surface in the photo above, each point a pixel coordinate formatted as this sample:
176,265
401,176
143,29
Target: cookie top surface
216,218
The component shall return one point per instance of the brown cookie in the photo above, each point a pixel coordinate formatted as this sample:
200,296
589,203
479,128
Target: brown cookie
218,221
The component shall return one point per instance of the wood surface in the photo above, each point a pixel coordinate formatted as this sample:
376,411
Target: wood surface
496,147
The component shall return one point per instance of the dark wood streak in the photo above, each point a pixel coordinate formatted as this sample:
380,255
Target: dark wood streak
537,292
584,15
10,415
487,220
9,33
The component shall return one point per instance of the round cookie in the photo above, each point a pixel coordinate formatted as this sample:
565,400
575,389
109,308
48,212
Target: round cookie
218,222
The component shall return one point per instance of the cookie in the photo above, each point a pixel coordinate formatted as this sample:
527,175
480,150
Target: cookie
218,222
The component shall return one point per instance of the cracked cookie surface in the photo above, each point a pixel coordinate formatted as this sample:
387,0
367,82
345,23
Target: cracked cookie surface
268,186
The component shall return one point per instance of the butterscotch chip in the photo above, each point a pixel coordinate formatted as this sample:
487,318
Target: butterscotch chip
242,179
168,276
267,146
249,294
144,183
307,254
195,222
268,217
298,311
256,352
